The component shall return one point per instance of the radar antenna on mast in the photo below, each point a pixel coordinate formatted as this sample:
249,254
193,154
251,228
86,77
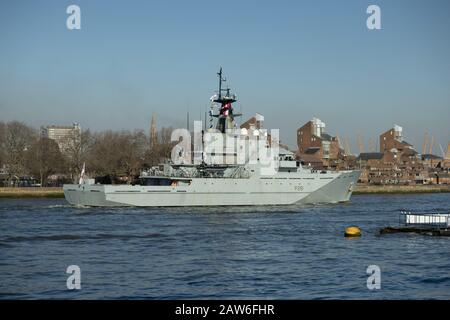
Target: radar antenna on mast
224,98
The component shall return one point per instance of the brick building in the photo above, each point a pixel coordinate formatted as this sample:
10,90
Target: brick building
398,163
254,122
432,161
446,163
392,140
318,148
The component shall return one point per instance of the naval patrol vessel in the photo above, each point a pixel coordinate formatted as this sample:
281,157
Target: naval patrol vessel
214,177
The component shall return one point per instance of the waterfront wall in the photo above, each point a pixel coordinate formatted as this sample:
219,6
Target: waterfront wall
374,189
31,192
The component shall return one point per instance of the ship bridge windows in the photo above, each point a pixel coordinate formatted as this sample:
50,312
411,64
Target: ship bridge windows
286,157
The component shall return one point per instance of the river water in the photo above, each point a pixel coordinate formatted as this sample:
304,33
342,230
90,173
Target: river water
289,252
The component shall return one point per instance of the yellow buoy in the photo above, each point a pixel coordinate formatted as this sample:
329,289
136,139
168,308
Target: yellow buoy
352,232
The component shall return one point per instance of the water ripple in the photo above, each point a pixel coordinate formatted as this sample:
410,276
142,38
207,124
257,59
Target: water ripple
59,237
287,252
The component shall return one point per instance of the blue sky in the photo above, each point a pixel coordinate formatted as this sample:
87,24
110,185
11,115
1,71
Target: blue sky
289,60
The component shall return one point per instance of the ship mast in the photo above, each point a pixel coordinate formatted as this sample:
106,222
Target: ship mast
225,117
220,82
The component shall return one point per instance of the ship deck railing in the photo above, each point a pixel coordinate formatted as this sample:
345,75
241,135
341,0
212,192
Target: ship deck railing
437,220
238,173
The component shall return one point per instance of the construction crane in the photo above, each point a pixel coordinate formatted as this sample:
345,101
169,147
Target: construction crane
431,145
343,144
371,145
339,141
425,143
442,151
347,146
360,143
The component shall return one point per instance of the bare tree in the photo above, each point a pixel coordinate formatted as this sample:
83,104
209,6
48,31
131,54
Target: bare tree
18,137
77,151
135,146
101,156
165,143
43,159
159,152
118,155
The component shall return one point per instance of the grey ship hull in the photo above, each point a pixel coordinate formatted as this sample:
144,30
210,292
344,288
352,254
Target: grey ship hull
310,188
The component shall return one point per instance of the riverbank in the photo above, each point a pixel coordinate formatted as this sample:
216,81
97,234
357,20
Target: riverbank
31,192
359,189
400,189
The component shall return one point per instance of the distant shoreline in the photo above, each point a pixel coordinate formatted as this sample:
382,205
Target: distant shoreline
360,189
